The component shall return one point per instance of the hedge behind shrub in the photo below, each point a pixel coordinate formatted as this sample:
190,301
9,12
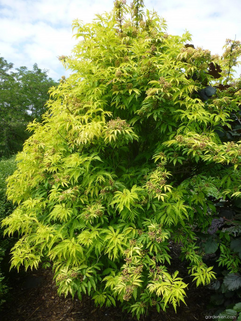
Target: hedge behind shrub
7,167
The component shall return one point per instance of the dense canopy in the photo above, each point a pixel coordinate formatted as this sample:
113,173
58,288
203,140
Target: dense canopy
137,149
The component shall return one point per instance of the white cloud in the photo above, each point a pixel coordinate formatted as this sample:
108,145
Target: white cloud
210,22
38,31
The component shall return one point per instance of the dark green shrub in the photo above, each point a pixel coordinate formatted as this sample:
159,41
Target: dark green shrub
233,313
7,167
221,244
23,96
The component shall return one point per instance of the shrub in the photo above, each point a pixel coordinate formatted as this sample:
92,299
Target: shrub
7,168
128,161
231,313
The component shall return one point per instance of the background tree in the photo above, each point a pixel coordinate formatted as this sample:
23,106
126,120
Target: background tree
127,162
23,96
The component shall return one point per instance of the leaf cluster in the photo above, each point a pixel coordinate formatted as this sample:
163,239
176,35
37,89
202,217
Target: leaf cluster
127,161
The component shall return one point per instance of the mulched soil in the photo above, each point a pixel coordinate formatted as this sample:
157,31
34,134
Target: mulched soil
34,298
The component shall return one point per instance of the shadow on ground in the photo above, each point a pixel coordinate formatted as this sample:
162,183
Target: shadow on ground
34,298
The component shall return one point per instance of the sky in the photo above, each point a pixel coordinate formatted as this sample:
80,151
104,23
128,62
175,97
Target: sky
39,31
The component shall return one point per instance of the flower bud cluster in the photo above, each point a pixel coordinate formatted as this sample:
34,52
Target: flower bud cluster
129,290
155,234
62,57
68,194
117,123
119,3
164,84
157,181
127,277
118,73
190,54
93,211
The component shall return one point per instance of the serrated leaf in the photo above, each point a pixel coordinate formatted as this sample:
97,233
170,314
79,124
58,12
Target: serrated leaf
237,307
235,245
230,312
214,285
232,281
210,247
226,315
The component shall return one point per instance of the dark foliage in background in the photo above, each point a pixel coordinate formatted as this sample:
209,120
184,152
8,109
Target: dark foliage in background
23,96
7,168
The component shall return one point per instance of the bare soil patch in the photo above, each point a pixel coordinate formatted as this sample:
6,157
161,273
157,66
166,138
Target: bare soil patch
34,298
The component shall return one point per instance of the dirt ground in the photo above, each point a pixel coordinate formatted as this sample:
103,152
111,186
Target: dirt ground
34,298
